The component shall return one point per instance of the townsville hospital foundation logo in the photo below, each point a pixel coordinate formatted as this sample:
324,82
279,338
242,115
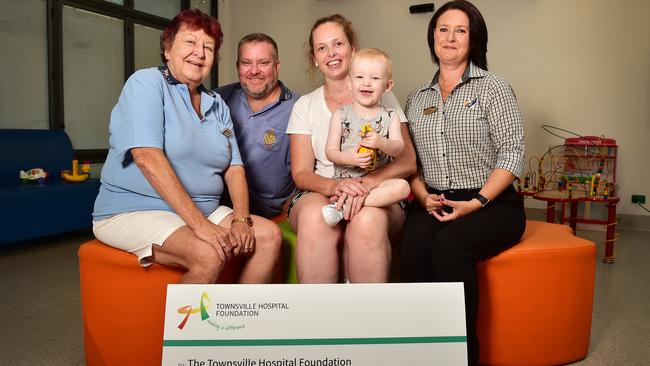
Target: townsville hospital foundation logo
188,310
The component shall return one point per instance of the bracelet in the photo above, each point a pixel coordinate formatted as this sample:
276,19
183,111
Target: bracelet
247,220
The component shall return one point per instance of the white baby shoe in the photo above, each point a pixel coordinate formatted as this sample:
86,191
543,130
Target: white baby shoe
332,215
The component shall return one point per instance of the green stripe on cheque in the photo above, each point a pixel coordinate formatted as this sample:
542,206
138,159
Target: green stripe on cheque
309,342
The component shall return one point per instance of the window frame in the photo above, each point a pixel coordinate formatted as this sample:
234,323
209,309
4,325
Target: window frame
130,16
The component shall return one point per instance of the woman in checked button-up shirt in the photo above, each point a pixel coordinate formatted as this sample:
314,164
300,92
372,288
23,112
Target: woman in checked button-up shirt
468,134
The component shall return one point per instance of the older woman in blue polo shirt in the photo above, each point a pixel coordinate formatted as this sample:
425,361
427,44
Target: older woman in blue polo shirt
172,148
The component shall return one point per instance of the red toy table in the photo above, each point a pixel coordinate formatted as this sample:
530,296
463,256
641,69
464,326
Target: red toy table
553,198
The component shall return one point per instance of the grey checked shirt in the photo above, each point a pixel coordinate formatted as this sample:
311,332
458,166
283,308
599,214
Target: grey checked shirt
477,129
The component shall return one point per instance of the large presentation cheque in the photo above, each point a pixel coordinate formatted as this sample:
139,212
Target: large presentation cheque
406,324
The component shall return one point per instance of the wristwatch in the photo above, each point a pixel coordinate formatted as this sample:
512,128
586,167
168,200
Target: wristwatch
481,198
247,220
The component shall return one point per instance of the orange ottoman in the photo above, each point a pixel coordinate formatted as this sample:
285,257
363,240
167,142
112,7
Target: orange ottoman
536,299
123,305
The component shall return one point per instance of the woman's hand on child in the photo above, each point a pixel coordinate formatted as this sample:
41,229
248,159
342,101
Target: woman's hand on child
351,205
350,186
356,204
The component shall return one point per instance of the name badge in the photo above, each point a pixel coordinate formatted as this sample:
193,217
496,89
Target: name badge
430,110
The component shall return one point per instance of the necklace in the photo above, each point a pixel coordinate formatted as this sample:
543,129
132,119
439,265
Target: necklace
338,103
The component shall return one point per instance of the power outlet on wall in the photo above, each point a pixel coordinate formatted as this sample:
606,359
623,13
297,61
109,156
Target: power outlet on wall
638,198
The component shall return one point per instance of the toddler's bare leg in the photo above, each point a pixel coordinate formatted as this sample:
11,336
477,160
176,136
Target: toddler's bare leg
389,192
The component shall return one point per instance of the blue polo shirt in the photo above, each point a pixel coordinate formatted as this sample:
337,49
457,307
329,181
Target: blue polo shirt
155,110
264,147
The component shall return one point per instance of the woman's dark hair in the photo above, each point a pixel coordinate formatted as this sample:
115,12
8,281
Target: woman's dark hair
478,34
192,19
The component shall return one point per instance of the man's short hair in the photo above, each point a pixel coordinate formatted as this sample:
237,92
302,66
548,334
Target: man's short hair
258,37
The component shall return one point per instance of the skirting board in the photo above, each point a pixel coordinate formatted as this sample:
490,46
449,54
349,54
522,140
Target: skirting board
627,222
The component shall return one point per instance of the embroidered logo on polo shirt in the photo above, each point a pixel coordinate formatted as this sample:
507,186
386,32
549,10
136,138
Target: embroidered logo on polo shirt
269,137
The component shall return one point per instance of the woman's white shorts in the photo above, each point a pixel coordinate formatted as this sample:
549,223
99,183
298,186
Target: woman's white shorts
135,232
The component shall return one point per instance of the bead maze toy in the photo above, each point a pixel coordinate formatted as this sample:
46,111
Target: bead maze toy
584,166
582,170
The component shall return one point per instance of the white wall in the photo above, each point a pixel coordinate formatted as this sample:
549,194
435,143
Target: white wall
582,65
